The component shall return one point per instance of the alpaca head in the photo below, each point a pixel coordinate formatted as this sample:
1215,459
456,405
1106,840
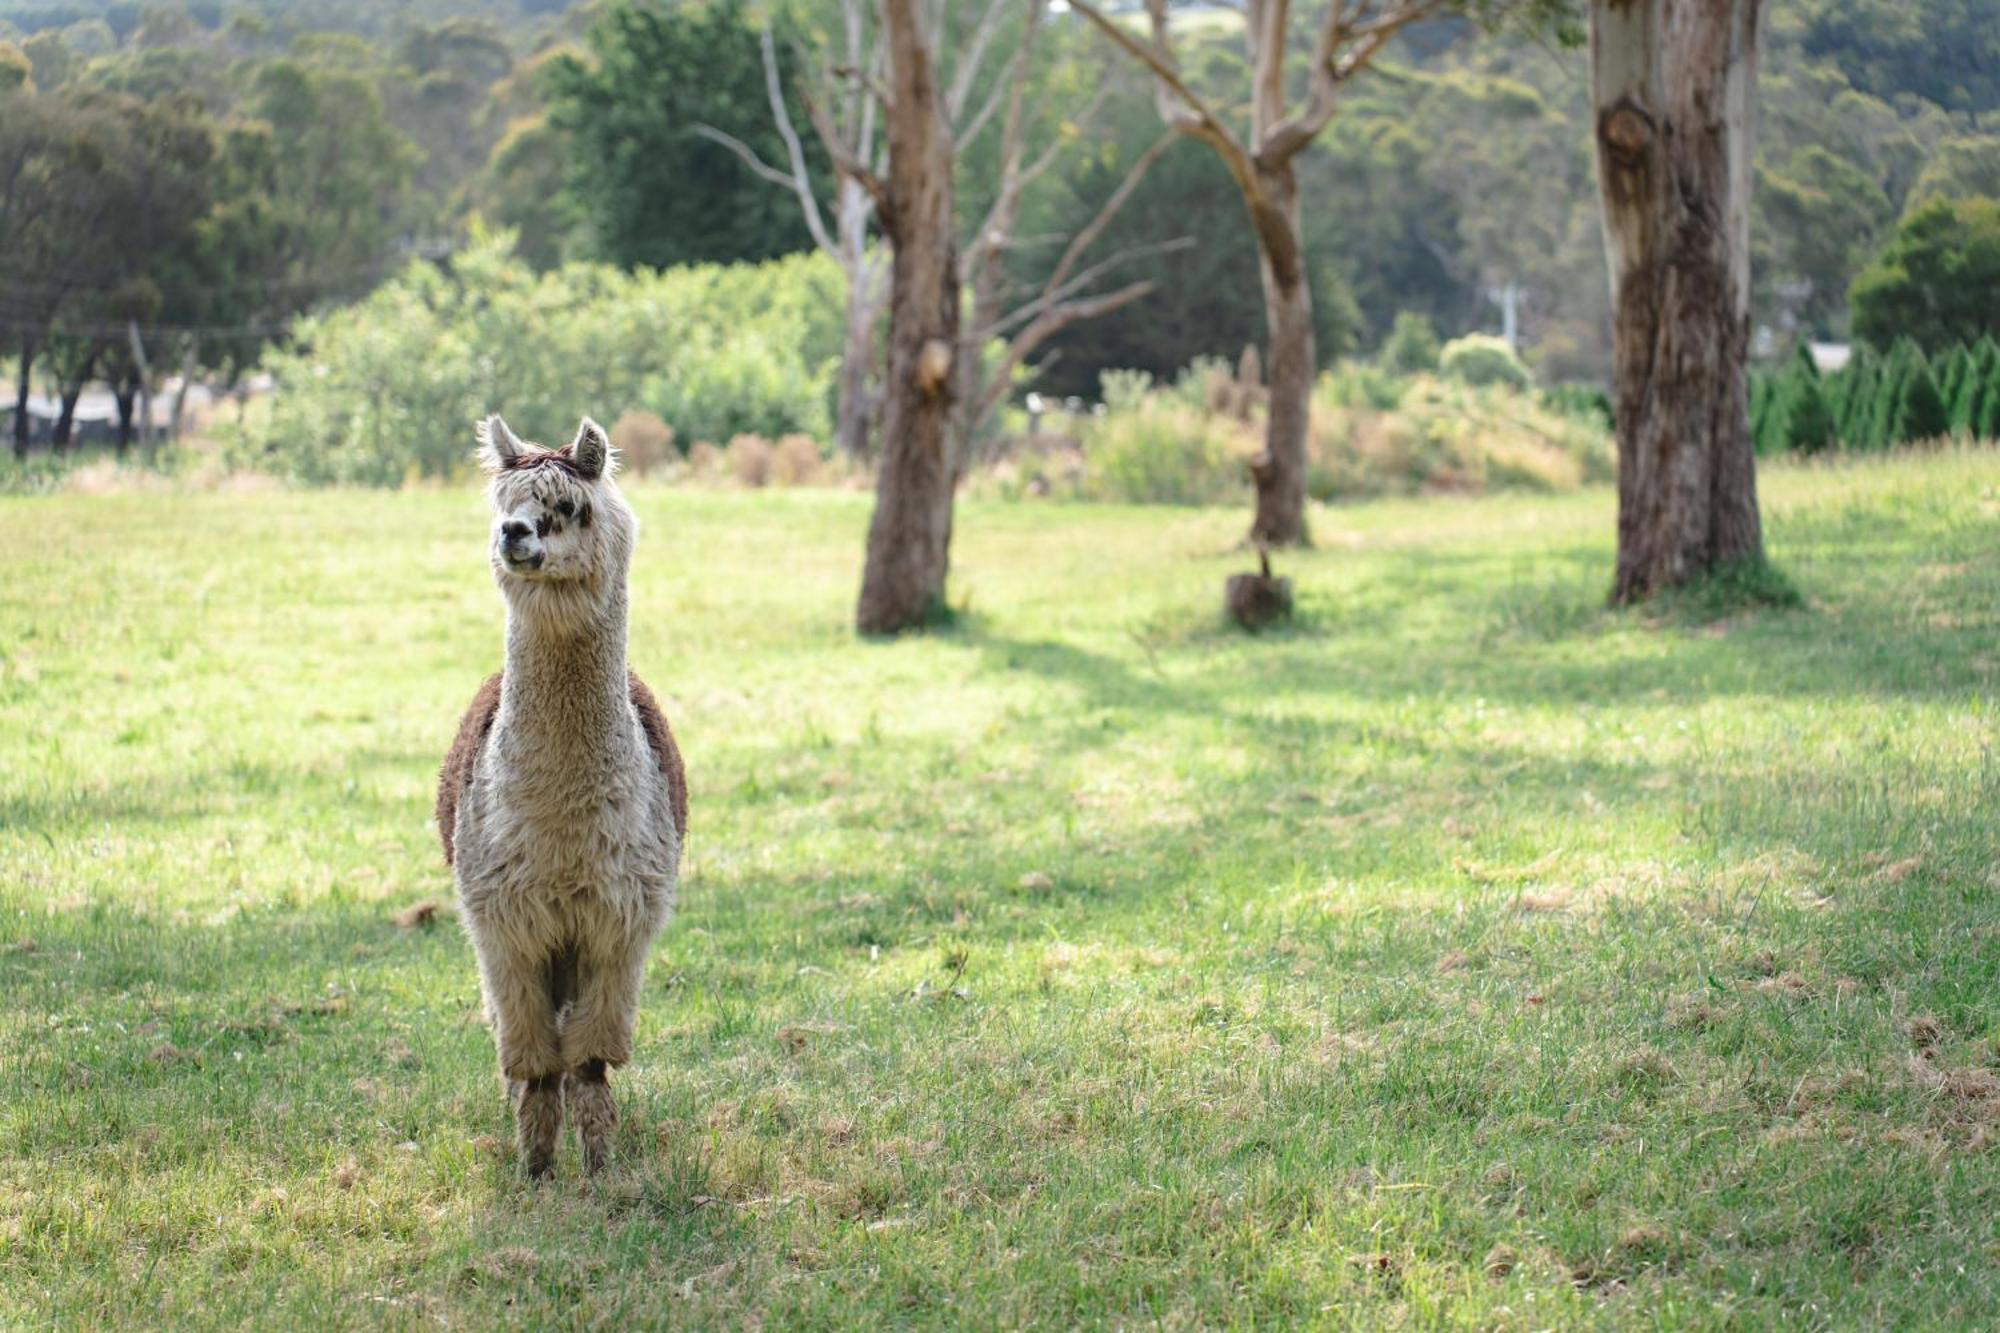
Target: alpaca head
559,521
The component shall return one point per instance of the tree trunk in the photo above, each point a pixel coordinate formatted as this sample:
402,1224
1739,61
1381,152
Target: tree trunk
59,440
1280,470
21,400
1674,84
126,392
854,413
189,355
909,538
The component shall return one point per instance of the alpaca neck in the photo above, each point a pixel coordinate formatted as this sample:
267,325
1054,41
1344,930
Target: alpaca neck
565,688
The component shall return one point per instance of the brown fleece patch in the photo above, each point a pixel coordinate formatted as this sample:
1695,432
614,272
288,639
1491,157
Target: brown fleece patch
665,752
463,756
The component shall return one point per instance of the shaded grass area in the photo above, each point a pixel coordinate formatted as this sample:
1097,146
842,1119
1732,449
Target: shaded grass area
1466,954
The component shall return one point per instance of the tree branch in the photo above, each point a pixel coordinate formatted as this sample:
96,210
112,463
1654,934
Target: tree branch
967,72
844,160
1193,116
1050,323
1330,69
1054,296
1083,240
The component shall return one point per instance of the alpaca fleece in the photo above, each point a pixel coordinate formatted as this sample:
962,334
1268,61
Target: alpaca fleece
562,803
478,720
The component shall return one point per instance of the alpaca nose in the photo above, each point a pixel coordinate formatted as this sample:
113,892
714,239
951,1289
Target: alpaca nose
514,530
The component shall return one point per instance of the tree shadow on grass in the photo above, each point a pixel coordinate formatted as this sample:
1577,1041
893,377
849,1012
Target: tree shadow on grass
1546,638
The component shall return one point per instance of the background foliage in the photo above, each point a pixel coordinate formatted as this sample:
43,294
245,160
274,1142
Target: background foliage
391,386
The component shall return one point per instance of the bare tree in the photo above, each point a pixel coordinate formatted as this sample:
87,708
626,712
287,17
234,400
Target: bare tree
1027,320
938,392
1348,35
1674,84
851,119
909,537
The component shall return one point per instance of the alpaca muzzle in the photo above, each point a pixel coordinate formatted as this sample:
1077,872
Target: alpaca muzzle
520,547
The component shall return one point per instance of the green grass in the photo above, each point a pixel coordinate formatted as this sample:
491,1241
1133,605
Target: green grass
1465,955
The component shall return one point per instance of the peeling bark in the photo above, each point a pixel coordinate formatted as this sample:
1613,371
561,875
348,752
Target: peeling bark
1674,83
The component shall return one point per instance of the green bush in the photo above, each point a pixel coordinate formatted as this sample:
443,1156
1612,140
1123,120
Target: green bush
1411,347
1480,359
1353,384
1155,450
1449,437
388,388
1586,402
1124,390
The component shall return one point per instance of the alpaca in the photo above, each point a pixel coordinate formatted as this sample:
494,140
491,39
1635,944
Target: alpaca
562,805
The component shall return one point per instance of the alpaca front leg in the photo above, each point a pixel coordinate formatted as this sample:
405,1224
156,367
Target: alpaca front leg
530,1050
538,1119
597,1037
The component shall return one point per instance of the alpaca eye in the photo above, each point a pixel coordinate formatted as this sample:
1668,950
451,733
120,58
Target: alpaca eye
565,508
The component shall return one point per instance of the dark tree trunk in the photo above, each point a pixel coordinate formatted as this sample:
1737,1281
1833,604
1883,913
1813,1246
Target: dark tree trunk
21,401
1280,470
909,538
59,440
1674,84
126,393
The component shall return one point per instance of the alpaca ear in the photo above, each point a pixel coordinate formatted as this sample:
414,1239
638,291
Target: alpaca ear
498,446
591,450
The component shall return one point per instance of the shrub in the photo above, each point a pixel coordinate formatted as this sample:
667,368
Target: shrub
1124,390
1159,452
704,459
1411,347
750,460
1480,359
1451,437
1373,433
643,441
1203,385
796,461
1586,402
387,388
1351,384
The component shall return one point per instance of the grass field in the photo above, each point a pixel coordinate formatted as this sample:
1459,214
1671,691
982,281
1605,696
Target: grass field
1467,955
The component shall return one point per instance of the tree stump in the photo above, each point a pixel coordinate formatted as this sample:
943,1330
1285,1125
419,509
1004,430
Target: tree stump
1256,600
